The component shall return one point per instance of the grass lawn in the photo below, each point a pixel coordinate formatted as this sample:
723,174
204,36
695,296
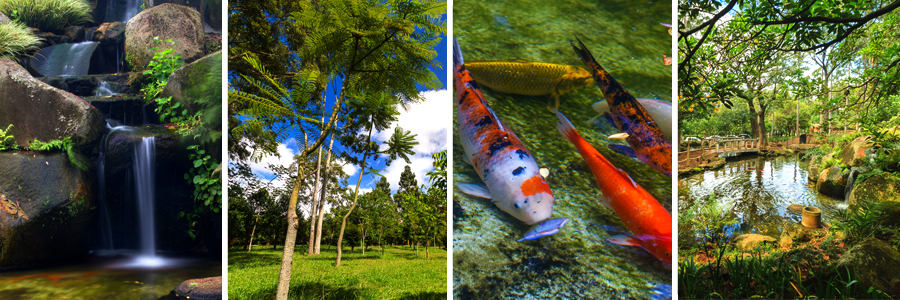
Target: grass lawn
398,275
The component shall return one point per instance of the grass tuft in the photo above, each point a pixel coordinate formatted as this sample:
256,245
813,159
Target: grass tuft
48,15
16,39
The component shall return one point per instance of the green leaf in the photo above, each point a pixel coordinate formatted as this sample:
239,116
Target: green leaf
198,162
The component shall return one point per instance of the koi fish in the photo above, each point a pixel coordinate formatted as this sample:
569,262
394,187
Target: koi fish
513,179
660,111
530,78
648,143
649,222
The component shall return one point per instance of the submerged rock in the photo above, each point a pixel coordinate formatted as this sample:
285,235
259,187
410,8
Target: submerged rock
881,187
832,182
47,209
200,289
167,21
39,111
751,241
876,264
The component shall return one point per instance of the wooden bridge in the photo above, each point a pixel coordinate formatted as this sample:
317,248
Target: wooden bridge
713,147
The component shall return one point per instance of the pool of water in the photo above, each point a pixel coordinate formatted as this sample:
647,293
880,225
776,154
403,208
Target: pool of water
112,276
578,262
757,190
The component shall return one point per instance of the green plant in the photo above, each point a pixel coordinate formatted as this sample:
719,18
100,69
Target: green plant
48,15
16,39
205,176
828,163
163,62
711,221
6,142
66,145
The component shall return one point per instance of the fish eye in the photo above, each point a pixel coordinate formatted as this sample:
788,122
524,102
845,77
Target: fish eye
516,205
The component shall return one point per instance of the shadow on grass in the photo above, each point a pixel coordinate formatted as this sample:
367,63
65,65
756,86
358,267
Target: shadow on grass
425,295
311,290
242,259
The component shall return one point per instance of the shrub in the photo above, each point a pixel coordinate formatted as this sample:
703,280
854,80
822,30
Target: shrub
16,39
48,15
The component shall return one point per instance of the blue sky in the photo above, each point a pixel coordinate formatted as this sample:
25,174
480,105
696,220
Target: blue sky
429,120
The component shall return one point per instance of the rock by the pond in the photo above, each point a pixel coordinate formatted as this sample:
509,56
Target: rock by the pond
200,289
854,153
47,209
813,174
881,187
751,241
831,182
877,264
197,85
40,111
795,209
76,33
166,21
798,233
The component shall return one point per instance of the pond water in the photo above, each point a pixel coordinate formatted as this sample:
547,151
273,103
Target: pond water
628,40
757,190
105,277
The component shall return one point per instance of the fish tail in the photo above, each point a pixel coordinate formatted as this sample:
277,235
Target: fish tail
566,128
585,55
457,54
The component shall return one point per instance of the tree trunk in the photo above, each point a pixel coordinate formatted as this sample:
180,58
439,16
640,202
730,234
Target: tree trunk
362,169
754,125
287,259
363,243
252,232
315,201
321,208
426,249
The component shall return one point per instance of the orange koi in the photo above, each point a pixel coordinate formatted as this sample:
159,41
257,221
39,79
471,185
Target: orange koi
647,140
650,222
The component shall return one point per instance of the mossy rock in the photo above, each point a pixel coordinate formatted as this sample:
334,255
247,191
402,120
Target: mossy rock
163,22
881,187
752,241
876,263
831,182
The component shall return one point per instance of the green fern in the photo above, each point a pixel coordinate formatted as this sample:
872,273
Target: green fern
66,144
6,142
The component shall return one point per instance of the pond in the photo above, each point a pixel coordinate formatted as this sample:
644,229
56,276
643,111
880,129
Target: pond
578,262
757,190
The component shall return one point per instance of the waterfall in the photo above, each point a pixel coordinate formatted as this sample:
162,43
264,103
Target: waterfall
144,169
104,89
122,10
65,59
105,224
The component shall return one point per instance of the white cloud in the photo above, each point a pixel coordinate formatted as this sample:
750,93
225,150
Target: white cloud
285,158
349,168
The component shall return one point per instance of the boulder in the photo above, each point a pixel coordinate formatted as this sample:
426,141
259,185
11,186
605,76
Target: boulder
40,111
210,10
53,39
854,153
749,242
197,85
47,209
76,33
876,264
813,174
111,33
200,289
796,209
167,21
832,182
77,85
3,18
881,187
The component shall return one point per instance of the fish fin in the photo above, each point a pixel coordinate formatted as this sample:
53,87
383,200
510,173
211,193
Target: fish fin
593,120
619,136
553,102
629,177
476,190
565,127
496,119
622,149
625,240
457,54
604,201
545,228
544,172
609,119
467,159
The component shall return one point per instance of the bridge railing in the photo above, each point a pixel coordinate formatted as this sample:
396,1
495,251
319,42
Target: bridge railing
714,146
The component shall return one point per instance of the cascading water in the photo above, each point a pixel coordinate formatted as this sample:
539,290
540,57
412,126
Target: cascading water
122,10
105,224
65,59
144,172
104,89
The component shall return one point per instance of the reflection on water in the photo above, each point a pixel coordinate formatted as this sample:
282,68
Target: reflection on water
105,278
578,262
758,191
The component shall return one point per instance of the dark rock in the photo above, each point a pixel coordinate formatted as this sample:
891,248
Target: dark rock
47,209
200,289
210,10
112,48
40,111
795,209
876,264
832,182
77,85
76,33
167,21
54,39
881,187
